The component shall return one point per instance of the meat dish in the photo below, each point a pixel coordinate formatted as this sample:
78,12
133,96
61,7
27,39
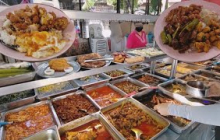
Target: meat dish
150,80
93,130
34,31
208,75
73,107
104,96
191,29
128,116
127,87
194,78
137,66
176,88
115,73
94,64
59,64
28,121
155,98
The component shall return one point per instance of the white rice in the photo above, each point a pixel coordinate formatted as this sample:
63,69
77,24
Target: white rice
7,38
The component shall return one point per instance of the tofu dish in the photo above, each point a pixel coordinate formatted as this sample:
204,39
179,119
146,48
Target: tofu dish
34,31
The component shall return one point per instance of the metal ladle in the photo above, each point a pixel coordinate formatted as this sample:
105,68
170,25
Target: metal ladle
137,132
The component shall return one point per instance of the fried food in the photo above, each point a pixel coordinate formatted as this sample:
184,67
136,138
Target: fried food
95,64
135,59
59,64
119,57
23,26
191,29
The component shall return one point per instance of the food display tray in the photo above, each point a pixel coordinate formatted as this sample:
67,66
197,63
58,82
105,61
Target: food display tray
136,82
17,79
109,85
103,78
185,75
18,103
165,91
188,97
216,76
155,76
146,57
144,66
71,87
148,111
211,69
24,107
173,126
163,75
85,120
59,122
126,71
48,134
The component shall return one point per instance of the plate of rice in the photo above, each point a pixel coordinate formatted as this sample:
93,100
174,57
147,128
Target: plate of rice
35,32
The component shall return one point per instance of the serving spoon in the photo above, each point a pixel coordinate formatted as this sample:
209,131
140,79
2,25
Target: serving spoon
137,132
5,123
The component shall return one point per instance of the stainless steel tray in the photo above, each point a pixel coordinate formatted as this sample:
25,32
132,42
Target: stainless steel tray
216,75
211,69
126,71
109,85
165,91
148,111
173,126
166,76
136,82
48,134
59,122
17,79
194,75
144,66
85,120
72,86
155,76
24,107
93,80
18,103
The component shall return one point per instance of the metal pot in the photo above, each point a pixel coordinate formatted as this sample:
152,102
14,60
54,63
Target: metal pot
196,89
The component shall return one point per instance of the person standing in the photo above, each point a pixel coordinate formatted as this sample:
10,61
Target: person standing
137,38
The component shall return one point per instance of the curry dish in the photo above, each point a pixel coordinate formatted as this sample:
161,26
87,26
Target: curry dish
93,130
73,107
150,80
27,122
128,116
104,96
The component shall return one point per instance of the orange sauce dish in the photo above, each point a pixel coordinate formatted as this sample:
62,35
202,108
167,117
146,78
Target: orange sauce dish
93,130
104,96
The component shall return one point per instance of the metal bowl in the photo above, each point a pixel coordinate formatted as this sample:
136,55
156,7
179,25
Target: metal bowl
196,89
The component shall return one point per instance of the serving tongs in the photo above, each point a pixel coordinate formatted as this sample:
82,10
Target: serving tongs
100,59
5,123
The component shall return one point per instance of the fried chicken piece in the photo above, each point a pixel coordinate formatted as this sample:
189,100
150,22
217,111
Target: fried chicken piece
13,18
20,26
36,19
59,64
61,23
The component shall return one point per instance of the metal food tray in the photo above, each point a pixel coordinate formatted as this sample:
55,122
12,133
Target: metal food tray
145,66
163,85
92,81
59,122
17,103
155,76
210,69
185,75
173,126
109,85
136,82
163,75
43,96
126,71
148,57
148,111
17,79
22,108
216,75
48,134
85,120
